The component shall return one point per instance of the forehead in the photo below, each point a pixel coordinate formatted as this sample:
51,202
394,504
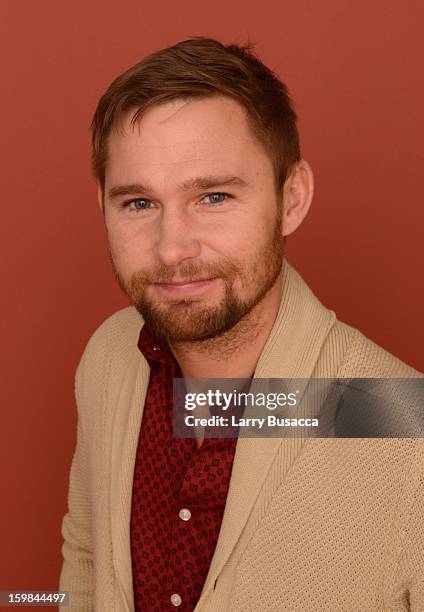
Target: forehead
179,137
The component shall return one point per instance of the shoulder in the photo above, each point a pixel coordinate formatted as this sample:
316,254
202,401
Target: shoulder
348,353
359,356
118,327
117,335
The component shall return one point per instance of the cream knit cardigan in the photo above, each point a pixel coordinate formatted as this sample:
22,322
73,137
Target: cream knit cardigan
309,525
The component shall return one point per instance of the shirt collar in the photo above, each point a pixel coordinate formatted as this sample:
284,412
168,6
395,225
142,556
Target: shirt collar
154,348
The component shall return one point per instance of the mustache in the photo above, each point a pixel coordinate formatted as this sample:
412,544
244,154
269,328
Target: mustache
185,273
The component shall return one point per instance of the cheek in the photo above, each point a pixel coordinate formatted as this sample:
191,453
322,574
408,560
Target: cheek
127,248
249,238
237,241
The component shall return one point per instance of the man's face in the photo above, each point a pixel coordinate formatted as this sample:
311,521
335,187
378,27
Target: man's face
193,220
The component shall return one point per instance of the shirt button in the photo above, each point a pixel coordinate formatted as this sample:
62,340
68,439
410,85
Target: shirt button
185,514
176,600
156,348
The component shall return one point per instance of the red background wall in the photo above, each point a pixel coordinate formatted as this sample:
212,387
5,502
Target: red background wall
355,73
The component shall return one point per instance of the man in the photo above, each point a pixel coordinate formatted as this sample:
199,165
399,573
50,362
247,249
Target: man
200,177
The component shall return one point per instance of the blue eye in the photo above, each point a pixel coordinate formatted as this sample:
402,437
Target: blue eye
145,204
217,198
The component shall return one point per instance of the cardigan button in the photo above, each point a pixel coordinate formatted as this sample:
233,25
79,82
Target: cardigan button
176,600
184,514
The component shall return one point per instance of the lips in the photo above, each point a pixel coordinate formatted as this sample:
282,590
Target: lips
183,283
186,287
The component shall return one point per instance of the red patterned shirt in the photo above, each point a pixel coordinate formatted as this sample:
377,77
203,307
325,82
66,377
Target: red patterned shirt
178,498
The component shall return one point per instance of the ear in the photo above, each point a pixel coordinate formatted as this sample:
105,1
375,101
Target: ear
298,193
100,198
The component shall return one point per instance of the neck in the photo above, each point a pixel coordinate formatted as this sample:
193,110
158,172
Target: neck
235,353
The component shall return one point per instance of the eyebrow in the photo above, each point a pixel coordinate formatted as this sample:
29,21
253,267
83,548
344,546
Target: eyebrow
198,182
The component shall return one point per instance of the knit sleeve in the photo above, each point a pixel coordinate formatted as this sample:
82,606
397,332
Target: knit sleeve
77,551
411,565
408,584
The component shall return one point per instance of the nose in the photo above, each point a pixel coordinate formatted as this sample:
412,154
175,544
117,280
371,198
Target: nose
176,239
